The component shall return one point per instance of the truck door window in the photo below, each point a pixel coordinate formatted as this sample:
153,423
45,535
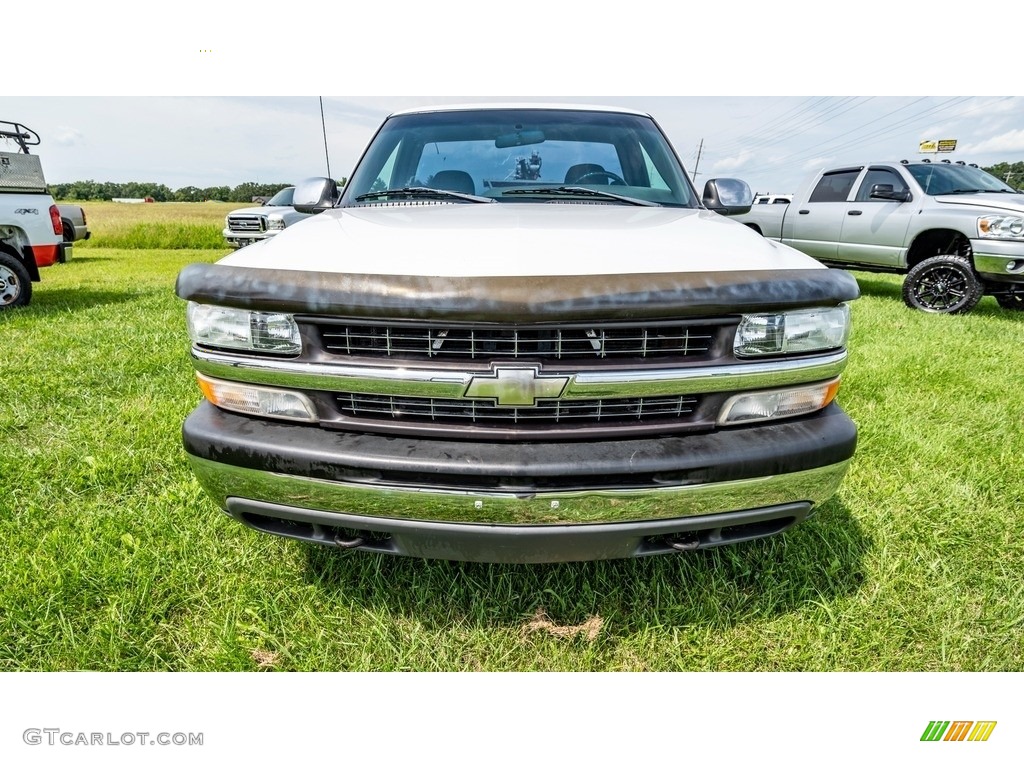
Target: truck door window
879,176
834,187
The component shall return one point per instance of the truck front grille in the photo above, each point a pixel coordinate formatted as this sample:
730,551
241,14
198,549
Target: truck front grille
652,340
247,223
641,410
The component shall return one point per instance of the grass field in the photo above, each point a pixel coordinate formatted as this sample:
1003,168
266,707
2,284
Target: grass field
115,560
156,225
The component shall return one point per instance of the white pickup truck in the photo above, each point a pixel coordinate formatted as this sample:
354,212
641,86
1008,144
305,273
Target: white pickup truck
31,233
956,231
518,335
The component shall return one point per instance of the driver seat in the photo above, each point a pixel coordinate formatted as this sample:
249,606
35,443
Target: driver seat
577,172
453,181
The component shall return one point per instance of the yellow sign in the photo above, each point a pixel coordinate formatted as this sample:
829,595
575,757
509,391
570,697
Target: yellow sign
928,146
947,145
942,145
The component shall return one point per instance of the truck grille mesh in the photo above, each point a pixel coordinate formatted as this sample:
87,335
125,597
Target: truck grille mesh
250,223
546,413
655,340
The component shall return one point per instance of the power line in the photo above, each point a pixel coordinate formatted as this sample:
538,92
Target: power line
805,153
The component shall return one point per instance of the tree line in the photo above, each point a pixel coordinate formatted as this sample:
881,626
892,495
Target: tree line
1010,173
161,193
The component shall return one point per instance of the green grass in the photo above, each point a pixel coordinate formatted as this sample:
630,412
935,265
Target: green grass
188,226
115,559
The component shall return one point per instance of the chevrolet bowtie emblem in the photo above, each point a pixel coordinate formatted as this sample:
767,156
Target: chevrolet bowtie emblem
512,387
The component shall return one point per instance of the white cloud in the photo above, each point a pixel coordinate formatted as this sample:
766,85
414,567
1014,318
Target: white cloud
67,136
1011,141
731,163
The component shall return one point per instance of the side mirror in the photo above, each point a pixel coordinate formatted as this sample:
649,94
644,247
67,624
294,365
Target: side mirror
315,195
886,192
729,197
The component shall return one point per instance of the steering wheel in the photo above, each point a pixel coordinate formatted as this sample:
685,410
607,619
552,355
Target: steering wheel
612,178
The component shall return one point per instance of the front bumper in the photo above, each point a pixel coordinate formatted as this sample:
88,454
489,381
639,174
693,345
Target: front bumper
518,502
240,239
999,260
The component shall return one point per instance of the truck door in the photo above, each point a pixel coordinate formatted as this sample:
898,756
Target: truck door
814,226
875,230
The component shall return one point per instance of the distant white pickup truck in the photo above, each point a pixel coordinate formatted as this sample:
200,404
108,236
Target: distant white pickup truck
251,225
956,231
769,199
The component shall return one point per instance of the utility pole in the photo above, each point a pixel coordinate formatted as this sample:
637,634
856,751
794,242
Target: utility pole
696,165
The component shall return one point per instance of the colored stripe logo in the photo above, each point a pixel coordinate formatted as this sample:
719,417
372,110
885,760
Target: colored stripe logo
958,730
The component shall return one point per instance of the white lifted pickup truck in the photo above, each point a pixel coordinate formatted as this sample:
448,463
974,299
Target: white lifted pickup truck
955,231
519,335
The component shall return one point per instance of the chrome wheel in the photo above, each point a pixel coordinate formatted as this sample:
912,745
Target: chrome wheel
15,285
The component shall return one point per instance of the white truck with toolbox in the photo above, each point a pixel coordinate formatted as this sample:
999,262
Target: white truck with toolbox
955,231
518,335
31,233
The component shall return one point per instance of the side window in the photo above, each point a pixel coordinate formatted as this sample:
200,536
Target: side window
834,187
879,176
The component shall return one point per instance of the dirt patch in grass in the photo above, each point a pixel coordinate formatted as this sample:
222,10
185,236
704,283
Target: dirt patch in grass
540,622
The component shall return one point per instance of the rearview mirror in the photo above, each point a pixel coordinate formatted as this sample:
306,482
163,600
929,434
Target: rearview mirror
519,139
315,195
729,197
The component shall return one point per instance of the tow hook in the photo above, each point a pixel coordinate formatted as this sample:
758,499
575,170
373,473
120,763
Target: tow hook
349,542
684,542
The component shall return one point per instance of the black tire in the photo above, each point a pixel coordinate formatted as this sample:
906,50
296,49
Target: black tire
15,283
944,284
69,231
1011,299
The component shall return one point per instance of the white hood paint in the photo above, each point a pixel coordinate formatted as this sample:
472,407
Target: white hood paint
517,240
995,202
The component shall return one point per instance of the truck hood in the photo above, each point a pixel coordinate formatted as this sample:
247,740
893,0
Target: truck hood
263,209
517,240
988,201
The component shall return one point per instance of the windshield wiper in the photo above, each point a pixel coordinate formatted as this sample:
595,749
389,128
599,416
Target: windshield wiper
578,191
424,192
964,192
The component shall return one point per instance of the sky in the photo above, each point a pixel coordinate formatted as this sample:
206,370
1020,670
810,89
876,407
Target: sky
773,143
207,96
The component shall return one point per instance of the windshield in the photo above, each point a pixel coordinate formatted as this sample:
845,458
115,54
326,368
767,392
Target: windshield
488,152
951,179
284,197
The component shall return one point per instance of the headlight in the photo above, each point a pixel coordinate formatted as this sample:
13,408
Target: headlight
801,330
1002,227
777,403
275,222
256,400
243,329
